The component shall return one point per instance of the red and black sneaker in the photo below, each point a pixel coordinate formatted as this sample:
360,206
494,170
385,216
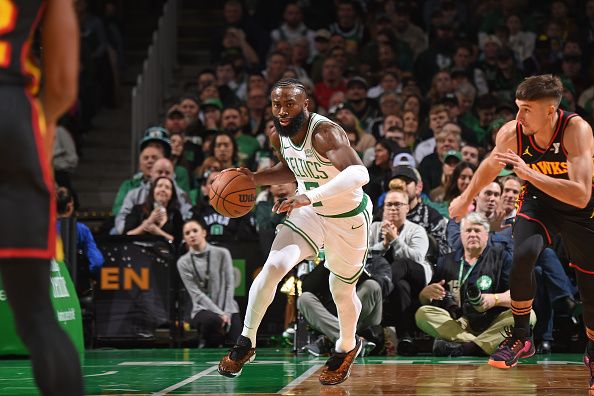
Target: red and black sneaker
241,353
514,347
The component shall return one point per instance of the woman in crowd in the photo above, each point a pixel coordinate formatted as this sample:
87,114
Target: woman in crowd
159,215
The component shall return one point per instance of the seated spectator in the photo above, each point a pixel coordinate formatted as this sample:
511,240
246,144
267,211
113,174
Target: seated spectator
431,168
319,310
179,158
487,203
332,81
154,145
450,160
365,109
224,149
459,181
461,322
207,273
266,219
176,120
471,154
345,116
85,242
65,158
159,215
438,117
380,170
211,108
404,244
247,145
190,106
407,178
137,196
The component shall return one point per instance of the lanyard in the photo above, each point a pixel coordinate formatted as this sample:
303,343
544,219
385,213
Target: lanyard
460,279
202,283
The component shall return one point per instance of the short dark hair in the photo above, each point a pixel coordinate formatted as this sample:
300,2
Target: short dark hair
285,82
545,86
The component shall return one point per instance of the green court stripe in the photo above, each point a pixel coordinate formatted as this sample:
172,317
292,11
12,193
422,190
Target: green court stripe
303,234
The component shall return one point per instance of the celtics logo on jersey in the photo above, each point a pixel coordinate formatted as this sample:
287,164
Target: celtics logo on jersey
484,282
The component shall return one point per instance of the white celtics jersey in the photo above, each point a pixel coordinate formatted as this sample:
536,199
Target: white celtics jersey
312,170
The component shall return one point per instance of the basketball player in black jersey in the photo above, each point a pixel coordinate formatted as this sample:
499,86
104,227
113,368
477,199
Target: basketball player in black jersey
27,199
551,150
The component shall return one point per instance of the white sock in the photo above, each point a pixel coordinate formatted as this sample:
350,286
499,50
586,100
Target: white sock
348,306
287,250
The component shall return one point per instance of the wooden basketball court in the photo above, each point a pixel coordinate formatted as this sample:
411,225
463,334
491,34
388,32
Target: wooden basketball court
193,372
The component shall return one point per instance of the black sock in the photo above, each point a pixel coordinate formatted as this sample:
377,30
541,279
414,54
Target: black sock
522,325
471,349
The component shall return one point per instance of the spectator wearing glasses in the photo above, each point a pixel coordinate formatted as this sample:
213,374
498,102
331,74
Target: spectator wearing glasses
405,245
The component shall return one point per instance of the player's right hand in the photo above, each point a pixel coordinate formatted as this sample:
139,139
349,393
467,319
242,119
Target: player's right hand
459,207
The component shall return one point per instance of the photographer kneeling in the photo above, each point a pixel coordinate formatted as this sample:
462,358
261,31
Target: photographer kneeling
466,305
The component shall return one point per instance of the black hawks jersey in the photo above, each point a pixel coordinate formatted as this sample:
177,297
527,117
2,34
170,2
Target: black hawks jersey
550,160
18,22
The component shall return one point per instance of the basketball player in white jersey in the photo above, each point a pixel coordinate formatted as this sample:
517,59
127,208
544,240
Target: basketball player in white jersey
329,210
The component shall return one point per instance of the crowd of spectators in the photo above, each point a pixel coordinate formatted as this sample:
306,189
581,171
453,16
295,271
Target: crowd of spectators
421,89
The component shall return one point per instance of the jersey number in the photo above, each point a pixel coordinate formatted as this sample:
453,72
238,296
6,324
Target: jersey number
311,186
8,17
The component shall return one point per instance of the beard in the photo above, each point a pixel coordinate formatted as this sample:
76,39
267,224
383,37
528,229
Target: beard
232,129
293,127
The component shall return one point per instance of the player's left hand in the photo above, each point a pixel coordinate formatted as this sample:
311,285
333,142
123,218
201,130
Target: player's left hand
288,204
521,169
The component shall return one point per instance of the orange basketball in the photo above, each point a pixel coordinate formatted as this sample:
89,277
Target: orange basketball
232,194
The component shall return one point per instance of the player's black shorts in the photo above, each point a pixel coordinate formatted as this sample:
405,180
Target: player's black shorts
27,199
575,226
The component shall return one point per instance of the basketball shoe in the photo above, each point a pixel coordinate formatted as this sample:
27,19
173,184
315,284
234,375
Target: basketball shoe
338,368
516,345
241,353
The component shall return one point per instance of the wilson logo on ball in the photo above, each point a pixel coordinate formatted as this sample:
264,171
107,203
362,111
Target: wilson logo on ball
247,198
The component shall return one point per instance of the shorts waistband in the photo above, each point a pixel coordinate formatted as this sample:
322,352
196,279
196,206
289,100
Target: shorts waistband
351,213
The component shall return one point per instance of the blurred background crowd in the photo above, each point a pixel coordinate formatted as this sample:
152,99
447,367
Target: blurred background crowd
421,89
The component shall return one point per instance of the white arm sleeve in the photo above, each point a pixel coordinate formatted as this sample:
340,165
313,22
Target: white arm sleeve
350,178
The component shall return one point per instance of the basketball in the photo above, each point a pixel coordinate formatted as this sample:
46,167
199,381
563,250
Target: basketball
232,194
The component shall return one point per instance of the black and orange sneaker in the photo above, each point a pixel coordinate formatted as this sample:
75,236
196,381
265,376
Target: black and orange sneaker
338,368
590,364
514,347
241,353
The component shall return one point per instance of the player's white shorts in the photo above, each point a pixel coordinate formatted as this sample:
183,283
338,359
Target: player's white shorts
344,237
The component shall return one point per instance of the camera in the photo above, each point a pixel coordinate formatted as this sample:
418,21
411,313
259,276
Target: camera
450,304
474,296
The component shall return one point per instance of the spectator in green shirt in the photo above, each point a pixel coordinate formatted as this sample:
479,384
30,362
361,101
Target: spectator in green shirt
247,145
